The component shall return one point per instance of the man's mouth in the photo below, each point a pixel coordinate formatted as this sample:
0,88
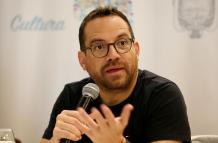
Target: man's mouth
114,70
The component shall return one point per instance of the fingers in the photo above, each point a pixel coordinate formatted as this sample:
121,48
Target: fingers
125,114
108,114
72,118
98,118
85,118
124,117
68,125
58,133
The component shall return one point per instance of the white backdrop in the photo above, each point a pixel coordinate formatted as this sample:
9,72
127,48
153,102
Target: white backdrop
38,55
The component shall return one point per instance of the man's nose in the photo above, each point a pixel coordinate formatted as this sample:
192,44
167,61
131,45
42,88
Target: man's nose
112,53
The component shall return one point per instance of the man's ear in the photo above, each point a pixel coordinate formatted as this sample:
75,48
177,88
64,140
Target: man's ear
82,59
137,49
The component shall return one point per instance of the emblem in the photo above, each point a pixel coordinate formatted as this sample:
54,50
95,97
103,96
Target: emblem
195,16
83,7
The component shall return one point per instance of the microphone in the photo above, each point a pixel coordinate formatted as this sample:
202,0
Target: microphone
90,92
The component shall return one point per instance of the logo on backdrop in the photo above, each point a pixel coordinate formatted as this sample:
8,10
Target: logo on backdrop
36,23
195,16
82,7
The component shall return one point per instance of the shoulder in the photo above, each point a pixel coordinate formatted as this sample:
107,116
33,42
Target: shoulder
160,92
157,88
150,77
152,82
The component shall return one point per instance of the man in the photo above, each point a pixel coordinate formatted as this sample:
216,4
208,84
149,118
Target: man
134,105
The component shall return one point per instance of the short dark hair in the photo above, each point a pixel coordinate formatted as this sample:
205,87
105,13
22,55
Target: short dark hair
101,12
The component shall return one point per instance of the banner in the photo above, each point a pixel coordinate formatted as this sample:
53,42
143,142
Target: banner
39,45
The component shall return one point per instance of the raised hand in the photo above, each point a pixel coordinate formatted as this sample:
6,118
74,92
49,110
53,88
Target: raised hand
105,127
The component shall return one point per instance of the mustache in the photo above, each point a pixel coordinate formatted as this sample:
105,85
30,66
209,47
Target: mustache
112,63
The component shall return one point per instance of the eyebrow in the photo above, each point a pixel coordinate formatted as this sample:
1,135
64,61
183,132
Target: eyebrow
101,40
123,35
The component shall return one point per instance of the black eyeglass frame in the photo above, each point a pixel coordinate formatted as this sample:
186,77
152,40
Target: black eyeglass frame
114,45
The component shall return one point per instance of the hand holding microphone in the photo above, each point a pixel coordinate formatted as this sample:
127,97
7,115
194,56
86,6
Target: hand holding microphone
68,124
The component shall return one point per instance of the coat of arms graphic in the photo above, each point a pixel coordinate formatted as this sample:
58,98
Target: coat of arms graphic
82,7
195,16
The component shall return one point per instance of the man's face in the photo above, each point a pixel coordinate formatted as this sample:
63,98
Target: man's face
114,71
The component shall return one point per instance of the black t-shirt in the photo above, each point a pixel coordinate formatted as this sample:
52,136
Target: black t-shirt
159,109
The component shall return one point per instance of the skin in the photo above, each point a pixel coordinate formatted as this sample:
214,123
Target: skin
116,76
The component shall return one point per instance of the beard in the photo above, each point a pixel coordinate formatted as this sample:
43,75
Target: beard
119,81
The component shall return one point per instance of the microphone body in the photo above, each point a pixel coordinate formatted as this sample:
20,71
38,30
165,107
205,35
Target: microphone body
89,93
84,101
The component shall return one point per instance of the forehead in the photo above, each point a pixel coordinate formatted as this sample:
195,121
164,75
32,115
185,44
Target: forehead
107,27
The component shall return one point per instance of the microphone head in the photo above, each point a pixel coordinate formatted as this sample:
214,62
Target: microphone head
91,90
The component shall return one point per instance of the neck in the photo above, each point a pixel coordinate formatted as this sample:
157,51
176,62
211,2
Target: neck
114,97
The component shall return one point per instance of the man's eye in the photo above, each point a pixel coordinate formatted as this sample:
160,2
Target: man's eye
122,43
98,47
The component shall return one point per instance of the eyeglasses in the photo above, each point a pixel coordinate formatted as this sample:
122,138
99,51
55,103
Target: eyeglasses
101,49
